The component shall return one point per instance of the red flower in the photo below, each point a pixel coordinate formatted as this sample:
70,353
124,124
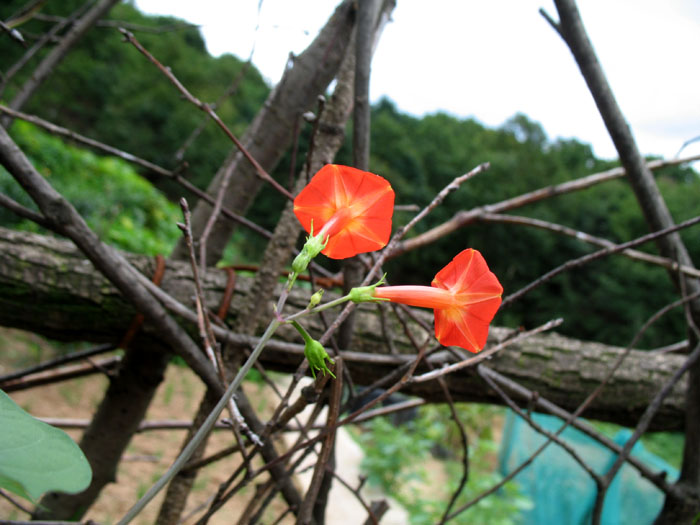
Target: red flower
465,295
351,207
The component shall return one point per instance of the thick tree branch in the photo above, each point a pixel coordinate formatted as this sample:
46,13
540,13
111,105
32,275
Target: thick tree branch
46,286
365,28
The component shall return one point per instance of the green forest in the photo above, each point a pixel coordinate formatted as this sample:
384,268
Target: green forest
106,90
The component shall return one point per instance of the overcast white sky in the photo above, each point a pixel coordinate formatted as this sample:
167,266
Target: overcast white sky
492,59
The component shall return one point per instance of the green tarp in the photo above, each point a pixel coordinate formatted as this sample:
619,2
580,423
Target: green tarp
562,492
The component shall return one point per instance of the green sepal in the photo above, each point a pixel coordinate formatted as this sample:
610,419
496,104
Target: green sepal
313,246
364,294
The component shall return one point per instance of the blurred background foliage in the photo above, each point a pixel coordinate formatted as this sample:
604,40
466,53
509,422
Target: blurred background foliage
420,464
106,90
122,207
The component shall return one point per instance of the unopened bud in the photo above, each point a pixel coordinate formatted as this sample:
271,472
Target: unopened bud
315,299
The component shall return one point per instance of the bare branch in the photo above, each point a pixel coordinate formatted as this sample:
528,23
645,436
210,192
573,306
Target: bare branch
591,239
485,354
25,13
49,63
153,168
211,346
680,346
180,153
106,366
375,510
641,428
16,208
307,506
207,109
657,478
144,426
14,502
126,25
45,38
13,33
596,255
59,361
686,144
464,218
639,174
553,437
658,217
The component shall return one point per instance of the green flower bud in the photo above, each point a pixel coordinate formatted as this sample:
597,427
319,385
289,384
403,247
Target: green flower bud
314,352
315,299
316,355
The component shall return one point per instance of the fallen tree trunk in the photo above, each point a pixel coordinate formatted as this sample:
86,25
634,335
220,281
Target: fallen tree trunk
48,287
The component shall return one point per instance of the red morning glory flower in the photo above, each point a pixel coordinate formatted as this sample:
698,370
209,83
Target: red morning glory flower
349,207
465,296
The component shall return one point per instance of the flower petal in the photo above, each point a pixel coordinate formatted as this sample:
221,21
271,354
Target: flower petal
420,296
476,287
367,197
468,273
467,327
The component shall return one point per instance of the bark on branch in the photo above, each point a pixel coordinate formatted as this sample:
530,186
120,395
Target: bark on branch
48,287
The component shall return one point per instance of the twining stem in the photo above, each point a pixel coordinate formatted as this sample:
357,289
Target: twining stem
206,426
318,309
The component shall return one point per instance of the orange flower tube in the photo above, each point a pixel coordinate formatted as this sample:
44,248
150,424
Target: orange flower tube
465,296
350,208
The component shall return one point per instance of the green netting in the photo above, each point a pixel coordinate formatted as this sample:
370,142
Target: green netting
561,490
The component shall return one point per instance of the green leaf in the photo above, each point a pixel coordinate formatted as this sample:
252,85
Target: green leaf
36,457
